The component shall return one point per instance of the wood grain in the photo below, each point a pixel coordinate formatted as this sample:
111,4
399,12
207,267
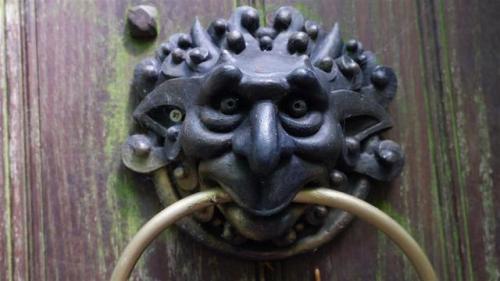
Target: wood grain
68,207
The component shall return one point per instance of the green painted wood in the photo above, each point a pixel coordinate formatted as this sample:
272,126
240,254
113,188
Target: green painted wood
68,207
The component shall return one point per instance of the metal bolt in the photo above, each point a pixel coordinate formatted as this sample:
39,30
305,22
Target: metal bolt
142,22
175,115
141,145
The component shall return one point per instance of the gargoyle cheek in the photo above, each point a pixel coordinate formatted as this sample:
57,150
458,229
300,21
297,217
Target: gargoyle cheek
198,142
324,146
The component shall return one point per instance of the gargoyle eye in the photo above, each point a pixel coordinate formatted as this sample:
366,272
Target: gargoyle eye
229,105
297,108
166,115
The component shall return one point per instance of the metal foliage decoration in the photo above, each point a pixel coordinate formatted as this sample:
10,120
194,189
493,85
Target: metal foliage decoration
263,112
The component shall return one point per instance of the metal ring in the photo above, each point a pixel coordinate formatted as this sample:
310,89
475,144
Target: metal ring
320,196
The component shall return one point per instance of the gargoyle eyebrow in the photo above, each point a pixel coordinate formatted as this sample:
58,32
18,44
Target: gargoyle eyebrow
257,88
304,80
222,79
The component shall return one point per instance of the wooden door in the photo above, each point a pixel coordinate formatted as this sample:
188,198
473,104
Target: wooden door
68,207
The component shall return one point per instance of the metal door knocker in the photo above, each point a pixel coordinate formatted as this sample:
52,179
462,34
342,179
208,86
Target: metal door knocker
263,113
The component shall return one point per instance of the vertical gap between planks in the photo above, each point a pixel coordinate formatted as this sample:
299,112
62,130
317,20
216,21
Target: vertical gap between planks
6,248
17,188
33,143
436,195
453,134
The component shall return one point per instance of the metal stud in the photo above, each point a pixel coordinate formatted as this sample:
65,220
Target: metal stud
198,55
298,42
150,72
312,29
282,20
235,41
349,67
220,26
379,78
325,64
352,46
266,43
250,20
142,22
177,56
164,50
184,41
141,145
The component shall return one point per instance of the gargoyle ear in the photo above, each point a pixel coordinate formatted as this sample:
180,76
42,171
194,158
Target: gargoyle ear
362,117
359,115
162,112
166,105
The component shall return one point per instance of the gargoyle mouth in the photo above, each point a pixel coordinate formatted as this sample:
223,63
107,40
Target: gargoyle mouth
261,196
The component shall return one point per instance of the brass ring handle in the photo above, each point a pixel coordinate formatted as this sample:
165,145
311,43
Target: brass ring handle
320,196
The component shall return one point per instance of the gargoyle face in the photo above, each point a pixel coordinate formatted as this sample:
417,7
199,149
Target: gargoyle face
263,112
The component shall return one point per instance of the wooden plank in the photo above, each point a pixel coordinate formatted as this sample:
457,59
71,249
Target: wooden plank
69,207
469,73
15,196
92,205
5,224
444,112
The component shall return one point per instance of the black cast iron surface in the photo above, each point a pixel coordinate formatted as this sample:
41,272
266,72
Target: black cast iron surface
263,112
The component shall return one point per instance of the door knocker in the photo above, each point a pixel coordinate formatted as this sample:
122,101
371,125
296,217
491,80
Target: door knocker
261,114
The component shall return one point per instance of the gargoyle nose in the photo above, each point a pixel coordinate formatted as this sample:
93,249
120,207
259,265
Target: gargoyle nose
263,151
